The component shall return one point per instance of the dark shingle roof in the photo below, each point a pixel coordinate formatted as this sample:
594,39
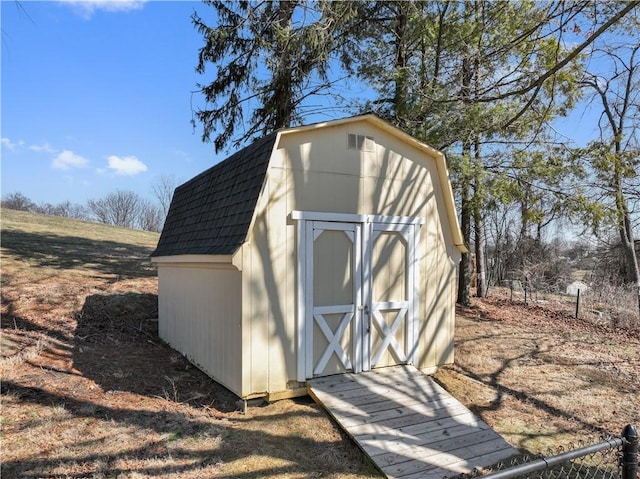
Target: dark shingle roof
211,213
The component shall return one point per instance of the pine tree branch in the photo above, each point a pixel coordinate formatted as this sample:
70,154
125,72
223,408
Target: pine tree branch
539,82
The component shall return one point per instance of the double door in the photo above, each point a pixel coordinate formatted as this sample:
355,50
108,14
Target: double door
359,295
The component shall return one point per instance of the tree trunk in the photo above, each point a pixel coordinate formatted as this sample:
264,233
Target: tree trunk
625,228
480,250
480,247
478,222
283,93
632,275
464,275
400,31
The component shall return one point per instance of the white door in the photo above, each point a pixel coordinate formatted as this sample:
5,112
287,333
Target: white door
389,290
357,294
333,295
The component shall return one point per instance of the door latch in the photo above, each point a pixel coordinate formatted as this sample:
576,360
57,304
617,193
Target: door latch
365,309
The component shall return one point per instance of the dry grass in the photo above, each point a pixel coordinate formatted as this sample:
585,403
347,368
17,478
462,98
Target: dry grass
542,378
89,391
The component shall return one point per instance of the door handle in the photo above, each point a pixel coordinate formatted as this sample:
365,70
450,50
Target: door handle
366,311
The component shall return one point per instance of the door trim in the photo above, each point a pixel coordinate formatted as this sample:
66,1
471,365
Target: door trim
410,233
364,225
354,218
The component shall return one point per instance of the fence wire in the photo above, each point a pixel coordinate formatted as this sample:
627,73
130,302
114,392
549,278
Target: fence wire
598,461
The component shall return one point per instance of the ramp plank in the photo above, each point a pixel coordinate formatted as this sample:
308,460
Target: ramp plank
407,424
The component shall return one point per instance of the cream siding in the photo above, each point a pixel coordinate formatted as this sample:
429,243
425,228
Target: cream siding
312,170
269,283
200,307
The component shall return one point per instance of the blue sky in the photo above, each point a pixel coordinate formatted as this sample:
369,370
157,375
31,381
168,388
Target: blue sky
96,96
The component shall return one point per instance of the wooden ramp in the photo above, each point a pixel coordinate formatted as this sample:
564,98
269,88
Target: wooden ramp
407,424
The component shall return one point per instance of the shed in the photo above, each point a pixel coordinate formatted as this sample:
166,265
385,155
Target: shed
316,250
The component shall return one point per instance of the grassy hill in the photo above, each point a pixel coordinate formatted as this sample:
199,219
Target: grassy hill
59,245
13,220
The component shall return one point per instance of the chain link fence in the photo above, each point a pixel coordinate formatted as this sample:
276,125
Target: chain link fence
613,458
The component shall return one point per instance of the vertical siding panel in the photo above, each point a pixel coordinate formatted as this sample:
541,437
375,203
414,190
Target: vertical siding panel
270,339
258,317
194,320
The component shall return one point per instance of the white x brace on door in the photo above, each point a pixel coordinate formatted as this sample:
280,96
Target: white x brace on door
357,292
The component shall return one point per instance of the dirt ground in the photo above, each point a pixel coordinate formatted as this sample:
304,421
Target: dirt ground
101,396
89,390
542,378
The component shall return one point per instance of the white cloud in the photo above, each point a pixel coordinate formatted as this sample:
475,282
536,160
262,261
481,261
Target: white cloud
68,159
126,165
86,8
45,148
11,146
8,144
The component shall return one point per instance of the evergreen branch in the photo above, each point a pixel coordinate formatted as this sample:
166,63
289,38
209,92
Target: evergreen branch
537,84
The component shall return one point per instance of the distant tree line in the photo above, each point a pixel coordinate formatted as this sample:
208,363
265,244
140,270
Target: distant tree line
120,208
548,262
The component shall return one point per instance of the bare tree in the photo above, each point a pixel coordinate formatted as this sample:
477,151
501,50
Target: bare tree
71,210
120,208
18,201
65,209
614,157
162,188
150,216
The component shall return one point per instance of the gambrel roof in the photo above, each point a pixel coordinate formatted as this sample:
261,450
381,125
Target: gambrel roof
211,213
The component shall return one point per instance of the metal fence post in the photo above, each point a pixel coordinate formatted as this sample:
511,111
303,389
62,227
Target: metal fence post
630,453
